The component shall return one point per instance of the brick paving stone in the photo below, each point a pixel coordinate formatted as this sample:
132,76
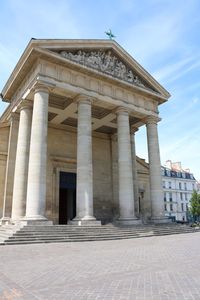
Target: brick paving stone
154,268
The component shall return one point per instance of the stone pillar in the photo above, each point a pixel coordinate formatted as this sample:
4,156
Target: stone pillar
126,194
21,163
84,189
115,188
156,191
10,167
36,189
134,164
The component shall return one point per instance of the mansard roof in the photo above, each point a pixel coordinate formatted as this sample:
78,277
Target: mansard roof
105,57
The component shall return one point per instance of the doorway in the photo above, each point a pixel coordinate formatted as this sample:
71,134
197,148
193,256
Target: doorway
67,197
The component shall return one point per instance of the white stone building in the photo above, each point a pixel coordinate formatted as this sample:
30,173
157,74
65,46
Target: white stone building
178,185
67,145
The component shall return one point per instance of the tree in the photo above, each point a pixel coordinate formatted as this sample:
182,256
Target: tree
195,205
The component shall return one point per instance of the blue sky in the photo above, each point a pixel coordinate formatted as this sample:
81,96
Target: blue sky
162,35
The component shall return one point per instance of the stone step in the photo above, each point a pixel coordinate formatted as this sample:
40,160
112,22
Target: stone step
29,229
4,234
78,235
71,236
3,231
103,226
25,241
70,233
82,232
30,233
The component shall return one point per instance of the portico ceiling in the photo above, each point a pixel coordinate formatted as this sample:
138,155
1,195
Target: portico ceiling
63,111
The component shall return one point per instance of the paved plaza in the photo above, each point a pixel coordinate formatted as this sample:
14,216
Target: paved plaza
153,268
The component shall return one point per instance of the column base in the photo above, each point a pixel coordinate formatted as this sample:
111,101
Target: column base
85,221
35,220
128,221
160,220
5,221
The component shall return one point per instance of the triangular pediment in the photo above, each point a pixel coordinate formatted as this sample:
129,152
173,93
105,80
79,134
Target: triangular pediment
105,57
107,62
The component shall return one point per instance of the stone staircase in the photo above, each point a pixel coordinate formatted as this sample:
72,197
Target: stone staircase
11,234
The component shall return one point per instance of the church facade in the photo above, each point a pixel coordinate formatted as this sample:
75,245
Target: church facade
67,138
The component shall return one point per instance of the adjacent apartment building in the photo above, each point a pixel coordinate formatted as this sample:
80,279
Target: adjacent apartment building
178,185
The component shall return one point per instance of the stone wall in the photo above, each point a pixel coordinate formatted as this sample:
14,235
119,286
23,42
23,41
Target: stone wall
62,157
144,190
102,179
144,194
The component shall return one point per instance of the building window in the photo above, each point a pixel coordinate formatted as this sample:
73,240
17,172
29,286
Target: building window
181,196
179,185
168,173
182,206
170,197
173,173
186,198
171,207
186,206
165,197
193,186
170,184
163,184
185,186
165,207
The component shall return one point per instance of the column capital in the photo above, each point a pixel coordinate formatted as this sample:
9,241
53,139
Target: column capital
152,120
121,110
134,129
41,88
84,99
25,104
14,116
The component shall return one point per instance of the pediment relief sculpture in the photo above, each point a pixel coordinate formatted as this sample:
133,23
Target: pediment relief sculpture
106,62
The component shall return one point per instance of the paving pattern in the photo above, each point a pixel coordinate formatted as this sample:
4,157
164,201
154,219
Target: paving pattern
164,268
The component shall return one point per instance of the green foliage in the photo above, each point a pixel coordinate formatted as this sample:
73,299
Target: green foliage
195,205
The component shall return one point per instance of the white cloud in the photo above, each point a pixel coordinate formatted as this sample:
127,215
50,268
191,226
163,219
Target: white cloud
169,70
185,112
190,68
154,34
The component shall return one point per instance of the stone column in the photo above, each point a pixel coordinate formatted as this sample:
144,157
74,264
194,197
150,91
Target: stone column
36,189
134,164
21,164
84,194
10,167
126,195
115,188
156,192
